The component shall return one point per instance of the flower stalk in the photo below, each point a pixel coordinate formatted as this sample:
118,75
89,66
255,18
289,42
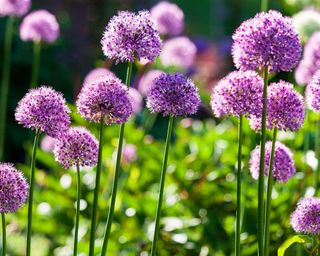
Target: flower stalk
76,228
36,64
4,235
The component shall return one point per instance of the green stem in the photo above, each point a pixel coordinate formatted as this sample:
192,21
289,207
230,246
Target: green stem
32,175
36,64
269,199
264,5
76,228
5,81
96,191
317,151
306,136
4,235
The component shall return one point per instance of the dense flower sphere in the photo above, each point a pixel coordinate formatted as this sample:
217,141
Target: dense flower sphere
129,36
267,40
96,74
77,148
306,217
169,18
146,81
39,26
47,143
14,7
173,94
13,188
312,93
239,93
283,165
136,100
105,97
45,110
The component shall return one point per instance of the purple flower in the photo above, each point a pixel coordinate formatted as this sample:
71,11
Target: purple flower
39,26
14,7
47,143
239,93
136,100
129,154
96,74
169,18
77,148
45,110
283,165
267,40
173,94
306,217
13,188
105,97
179,51
146,81
129,36
312,93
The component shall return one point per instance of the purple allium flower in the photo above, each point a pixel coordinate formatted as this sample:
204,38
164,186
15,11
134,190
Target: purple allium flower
239,93
306,217
179,51
13,188
283,165
146,81
97,73
269,39
173,94
39,26
14,7
47,143
312,93
45,110
129,36
77,148
129,154
136,100
169,18
106,97
285,108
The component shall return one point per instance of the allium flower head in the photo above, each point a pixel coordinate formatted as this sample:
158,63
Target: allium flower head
129,154
267,40
14,7
39,26
136,100
306,217
47,143
77,148
96,74
146,81
169,17
283,165
13,188
105,97
312,93
129,36
173,94
45,110
239,93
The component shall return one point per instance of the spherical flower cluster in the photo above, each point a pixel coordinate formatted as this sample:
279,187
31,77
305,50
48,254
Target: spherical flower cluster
129,36
96,74
285,108
136,100
77,148
146,81
267,40
14,7
283,165
173,94
13,188
105,98
306,217
239,93
39,26
169,18
45,110
312,93
47,143
179,51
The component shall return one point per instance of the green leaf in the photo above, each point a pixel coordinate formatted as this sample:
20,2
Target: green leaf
295,239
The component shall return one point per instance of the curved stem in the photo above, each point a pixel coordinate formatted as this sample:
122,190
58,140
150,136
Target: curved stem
317,151
36,64
76,228
4,235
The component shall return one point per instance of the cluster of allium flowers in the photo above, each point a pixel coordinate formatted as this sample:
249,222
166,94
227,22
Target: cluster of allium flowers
13,188
45,110
47,143
39,26
312,93
173,94
179,51
96,74
77,148
306,217
129,36
285,108
169,18
239,93
283,165
267,40
136,100
14,7
105,98
146,81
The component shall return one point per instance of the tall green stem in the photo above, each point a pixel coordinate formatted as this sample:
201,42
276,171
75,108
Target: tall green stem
32,175
36,64
264,5
76,227
4,235
306,136
317,151
5,81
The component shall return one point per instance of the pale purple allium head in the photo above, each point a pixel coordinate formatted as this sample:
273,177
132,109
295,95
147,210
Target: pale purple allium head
136,100
96,74
129,36
106,97
312,93
169,17
77,148
283,165
267,40
179,51
14,7
45,110
39,26
146,81
306,217
13,188
129,154
239,93
47,143
173,94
